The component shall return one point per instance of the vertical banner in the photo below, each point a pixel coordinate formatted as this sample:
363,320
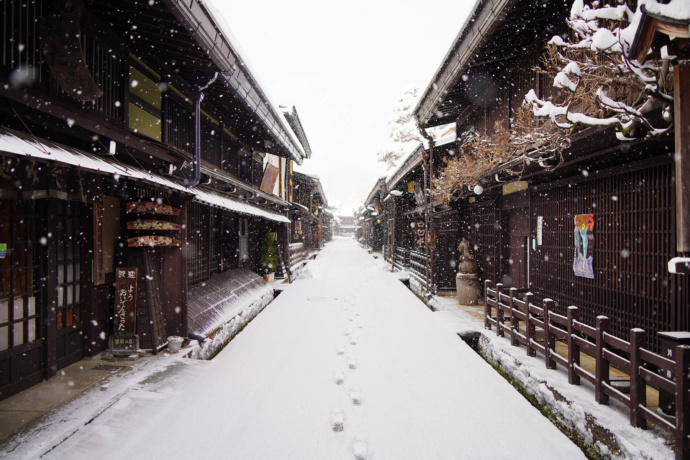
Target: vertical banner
98,260
584,246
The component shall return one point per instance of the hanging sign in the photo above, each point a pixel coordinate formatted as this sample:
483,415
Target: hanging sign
151,207
584,246
152,241
3,250
540,225
152,225
269,180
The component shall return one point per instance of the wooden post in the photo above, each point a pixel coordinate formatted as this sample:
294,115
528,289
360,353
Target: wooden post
601,365
499,311
682,400
549,343
487,308
573,348
514,320
681,98
638,387
529,327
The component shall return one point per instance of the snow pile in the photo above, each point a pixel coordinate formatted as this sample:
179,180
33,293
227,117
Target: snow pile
230,329
606,429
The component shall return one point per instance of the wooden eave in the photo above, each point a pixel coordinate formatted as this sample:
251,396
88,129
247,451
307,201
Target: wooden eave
651,29
183,42
497,33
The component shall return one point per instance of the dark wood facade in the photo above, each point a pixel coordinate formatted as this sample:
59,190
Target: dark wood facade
77,151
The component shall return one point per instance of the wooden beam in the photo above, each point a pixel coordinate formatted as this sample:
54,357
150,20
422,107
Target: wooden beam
681,97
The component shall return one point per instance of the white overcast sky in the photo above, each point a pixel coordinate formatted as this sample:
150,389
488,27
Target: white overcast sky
343,65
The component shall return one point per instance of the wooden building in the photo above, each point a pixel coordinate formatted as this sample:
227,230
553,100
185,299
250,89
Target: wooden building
134,140
308,202
522,226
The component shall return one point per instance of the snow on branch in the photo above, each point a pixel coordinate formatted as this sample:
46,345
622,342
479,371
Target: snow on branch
596,84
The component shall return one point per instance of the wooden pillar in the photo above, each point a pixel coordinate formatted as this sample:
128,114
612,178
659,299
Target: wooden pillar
681,97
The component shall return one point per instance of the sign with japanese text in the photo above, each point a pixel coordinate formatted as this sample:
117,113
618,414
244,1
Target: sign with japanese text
269,180
419,232
125,302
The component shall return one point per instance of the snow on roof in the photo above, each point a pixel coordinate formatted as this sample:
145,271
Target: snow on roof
678,10
442,135
239,74
221,201
20,144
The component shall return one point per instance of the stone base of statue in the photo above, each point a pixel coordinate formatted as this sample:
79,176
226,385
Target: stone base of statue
467,286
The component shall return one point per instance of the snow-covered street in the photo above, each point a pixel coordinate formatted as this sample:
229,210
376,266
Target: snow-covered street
346,363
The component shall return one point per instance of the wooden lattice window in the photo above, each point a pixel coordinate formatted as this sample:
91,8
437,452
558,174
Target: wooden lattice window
19,275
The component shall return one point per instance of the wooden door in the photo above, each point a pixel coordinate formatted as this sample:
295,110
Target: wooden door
516,253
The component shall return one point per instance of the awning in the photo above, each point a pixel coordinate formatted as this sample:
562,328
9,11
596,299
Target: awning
221,201
20,144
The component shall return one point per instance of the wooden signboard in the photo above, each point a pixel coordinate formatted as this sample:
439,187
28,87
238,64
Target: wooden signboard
419,233
152,225
151,207
125,301
269,180
152,241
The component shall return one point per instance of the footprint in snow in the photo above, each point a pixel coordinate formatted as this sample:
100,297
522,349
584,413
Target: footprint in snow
356,397
361,450
351,363
338,421
351,318
353,340
339,378
360,325
348,332
341,350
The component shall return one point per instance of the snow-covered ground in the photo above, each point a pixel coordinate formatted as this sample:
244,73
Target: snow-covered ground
346,363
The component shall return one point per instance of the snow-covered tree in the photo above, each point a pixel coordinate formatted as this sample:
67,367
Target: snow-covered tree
598,84
404,135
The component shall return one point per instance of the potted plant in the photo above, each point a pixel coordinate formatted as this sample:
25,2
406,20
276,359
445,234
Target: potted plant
268,256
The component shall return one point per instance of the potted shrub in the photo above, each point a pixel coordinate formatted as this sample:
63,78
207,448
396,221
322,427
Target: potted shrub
268,256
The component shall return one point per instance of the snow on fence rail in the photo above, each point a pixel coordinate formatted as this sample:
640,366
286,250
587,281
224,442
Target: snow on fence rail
598,343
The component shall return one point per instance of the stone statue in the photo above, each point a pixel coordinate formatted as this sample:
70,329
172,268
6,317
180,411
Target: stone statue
468,263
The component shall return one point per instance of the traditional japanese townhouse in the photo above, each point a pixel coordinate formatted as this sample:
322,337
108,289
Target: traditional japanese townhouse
345,226
136,150
373,217
308,202
521,221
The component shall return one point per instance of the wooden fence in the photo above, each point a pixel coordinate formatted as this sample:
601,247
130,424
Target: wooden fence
298,253
643,366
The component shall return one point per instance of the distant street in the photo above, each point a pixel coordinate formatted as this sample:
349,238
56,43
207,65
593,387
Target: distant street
346,363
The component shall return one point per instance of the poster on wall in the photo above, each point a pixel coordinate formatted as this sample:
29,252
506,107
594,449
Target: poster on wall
584,246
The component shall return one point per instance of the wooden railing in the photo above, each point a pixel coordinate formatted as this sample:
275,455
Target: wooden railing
631,357
401,258
416,264
297,253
